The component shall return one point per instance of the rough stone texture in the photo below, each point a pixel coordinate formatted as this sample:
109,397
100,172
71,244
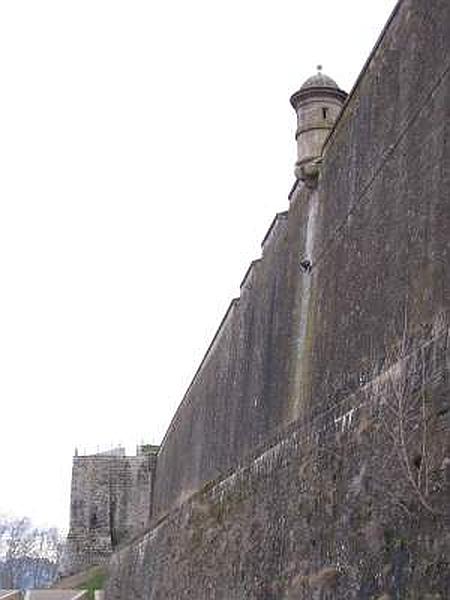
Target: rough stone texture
310,457
382,259
110,502
327,512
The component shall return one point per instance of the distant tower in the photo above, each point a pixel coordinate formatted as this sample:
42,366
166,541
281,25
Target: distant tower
317,104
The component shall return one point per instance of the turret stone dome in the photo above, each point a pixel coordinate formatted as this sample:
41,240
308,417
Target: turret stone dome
319,80
318,85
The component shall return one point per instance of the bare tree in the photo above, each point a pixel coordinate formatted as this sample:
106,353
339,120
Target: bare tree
407,419
29,556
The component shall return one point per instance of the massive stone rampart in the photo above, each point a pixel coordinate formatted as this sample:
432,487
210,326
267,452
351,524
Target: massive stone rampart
234,402
310,456
376,234
327,512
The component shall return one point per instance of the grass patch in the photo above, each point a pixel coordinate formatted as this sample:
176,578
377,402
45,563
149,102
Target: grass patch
95,582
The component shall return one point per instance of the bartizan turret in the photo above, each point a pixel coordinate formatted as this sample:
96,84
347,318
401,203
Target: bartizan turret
317,104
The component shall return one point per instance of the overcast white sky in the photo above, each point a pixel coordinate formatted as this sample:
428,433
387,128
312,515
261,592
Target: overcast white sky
145,147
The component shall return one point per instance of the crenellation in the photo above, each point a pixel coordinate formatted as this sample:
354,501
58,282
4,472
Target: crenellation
248,275
276,228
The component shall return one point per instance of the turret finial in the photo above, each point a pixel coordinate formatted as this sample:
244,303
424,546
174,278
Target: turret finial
319,68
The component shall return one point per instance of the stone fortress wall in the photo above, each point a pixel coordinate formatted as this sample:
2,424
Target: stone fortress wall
111,500
310,456
376,231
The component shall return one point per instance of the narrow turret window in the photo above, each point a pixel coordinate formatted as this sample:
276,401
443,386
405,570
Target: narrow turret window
324,112
93,519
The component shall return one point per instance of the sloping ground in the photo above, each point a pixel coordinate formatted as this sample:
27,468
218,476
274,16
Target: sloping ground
10,595
92,578
56,595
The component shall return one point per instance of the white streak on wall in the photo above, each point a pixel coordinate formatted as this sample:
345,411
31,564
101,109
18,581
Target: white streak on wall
305,299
